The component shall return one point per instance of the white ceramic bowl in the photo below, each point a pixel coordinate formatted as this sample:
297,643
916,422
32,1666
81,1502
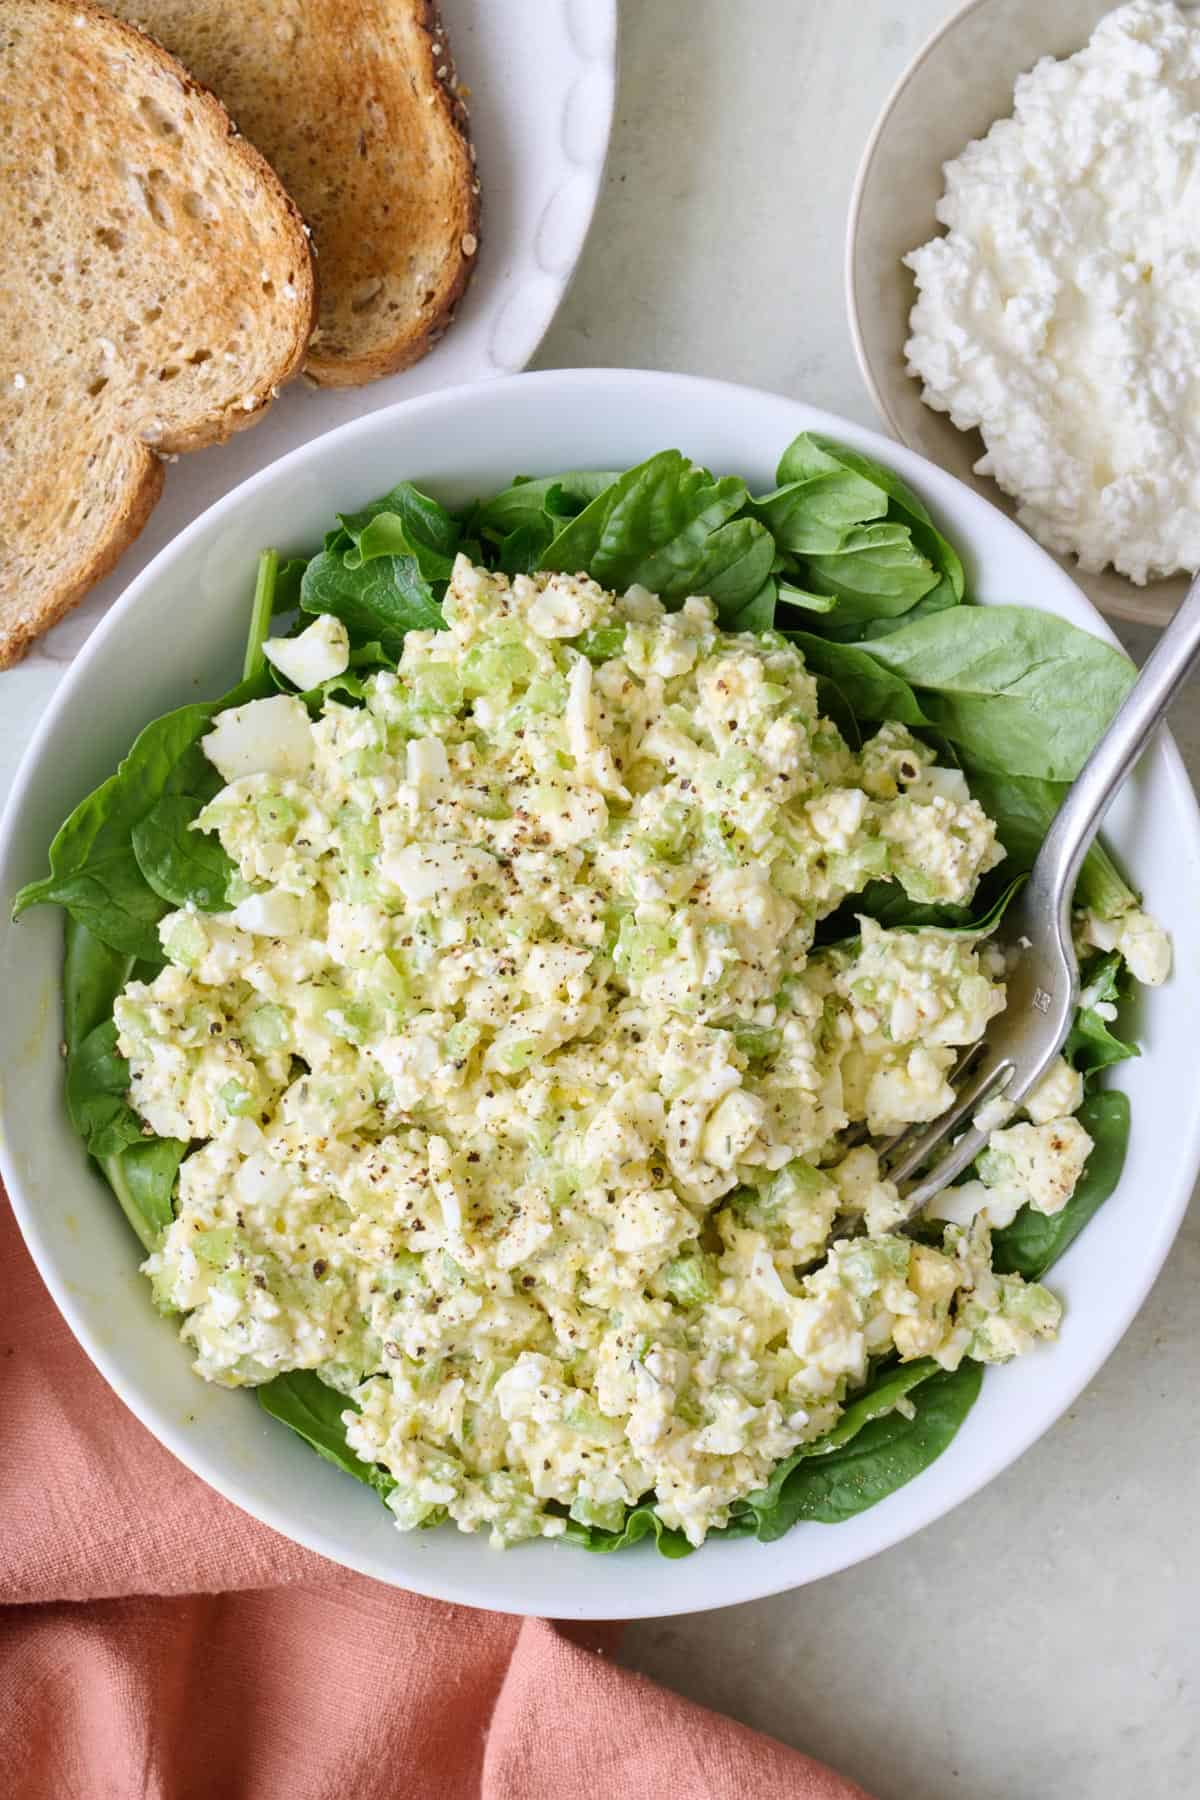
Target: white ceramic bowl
956,86
177,634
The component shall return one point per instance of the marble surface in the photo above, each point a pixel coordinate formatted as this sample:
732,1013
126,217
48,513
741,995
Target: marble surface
1041,1642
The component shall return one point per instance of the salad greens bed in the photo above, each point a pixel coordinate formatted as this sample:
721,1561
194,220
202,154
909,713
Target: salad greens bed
840,557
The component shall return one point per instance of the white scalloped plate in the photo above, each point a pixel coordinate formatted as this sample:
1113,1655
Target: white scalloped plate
541,76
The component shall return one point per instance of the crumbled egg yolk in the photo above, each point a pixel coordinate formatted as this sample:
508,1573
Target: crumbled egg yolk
519,1087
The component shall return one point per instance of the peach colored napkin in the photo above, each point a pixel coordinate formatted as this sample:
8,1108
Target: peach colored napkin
157,1642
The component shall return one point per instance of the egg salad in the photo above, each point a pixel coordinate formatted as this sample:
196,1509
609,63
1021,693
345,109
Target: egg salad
525,1109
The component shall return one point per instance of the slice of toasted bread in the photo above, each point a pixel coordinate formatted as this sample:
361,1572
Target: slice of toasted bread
156,287
354,104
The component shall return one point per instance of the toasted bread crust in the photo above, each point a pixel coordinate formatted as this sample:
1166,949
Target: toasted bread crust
356,105
22,629
350,369
157,287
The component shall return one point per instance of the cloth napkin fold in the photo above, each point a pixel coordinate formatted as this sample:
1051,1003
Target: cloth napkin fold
157,1642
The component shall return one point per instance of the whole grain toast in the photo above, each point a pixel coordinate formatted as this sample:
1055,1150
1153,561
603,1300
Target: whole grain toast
156,287
354,104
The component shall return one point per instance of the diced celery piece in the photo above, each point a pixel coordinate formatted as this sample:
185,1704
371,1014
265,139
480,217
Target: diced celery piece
237,1099
353,1020
758,1043
358,763
690,1279
1031,1304
266,1028
995,1168
517,1055
668,834
496,667
185,940
400,1274
603,642
389,984
437,685
592,1424
548,694
607,1515
276,814
215,1247
359,831
869,1262
639,949
461,1039
237,889
563,1187
492,806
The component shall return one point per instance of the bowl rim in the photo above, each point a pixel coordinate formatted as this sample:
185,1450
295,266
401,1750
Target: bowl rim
774,1577
862,176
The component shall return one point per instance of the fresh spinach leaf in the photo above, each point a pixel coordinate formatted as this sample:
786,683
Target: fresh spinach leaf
404,522
883,1451
661,524
93,976
876,571
1023,809
183,866
288,578
1021,691
384,598
140,1170
143,1179
809,515
888,904
812,454
522,550
110,896
1035,1241
530,500
877,1401
97,1085
94,871
758,613
734,570
873,692
314,1411
640,1522
1092,1045
384,571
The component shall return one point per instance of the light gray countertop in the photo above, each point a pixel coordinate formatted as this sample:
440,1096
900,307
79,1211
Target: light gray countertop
1040,1643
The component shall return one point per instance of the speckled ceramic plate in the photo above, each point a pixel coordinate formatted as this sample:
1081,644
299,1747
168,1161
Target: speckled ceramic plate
957,85
541,76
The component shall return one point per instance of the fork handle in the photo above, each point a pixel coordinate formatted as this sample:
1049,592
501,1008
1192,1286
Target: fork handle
1078,819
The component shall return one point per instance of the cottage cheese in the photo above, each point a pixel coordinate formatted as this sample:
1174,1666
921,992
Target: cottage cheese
1061,312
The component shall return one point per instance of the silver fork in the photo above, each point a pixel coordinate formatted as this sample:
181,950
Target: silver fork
1043,980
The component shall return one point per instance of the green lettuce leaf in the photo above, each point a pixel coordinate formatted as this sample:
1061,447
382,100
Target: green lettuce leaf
384,571
1092,1044
301,1400
1020,691
666,524
184,867
877,1449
